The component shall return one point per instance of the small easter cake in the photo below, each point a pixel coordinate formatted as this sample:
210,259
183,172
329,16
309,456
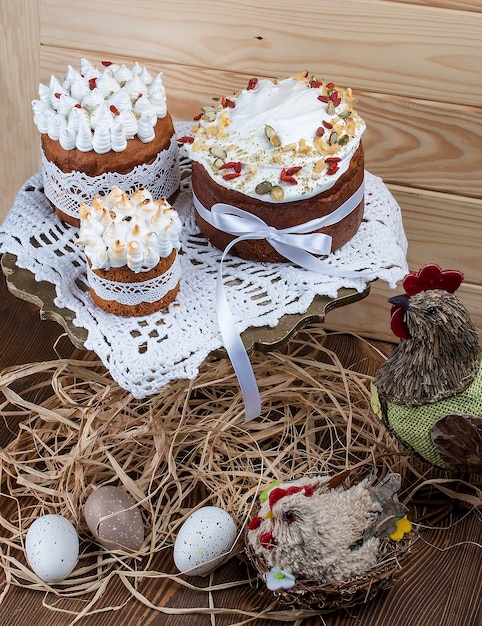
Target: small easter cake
285,151
105,127
131,246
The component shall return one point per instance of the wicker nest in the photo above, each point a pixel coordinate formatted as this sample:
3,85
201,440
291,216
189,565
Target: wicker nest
330,596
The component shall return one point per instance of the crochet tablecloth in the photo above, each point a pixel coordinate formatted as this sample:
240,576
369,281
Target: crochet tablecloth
144,353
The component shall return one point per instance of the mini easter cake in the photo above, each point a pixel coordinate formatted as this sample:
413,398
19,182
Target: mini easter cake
131,246
105,127
286,151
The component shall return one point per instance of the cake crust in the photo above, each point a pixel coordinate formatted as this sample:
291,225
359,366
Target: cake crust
125,275
94,164
283,214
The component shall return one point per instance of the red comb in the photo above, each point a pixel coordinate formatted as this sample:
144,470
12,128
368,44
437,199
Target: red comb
278,492
431,276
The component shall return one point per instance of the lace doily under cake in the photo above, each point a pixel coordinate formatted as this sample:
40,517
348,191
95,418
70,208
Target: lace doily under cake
66,191
145,353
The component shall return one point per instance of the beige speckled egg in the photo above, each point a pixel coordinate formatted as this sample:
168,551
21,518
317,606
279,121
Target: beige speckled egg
113,518
204,540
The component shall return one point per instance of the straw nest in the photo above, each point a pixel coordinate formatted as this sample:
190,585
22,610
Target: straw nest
332,595
186,446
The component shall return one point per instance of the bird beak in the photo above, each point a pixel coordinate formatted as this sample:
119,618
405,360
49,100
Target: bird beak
401,301
269,515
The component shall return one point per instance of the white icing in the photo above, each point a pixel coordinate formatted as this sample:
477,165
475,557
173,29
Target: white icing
117,137
83,141
135,231
292,108
67,138
56,124
145,131
96,100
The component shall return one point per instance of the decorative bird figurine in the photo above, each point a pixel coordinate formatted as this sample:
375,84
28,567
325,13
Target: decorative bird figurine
319,530
429,392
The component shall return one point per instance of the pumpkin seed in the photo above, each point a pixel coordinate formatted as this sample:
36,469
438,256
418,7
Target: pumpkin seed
209,116
330,108
344,114
271,136
217,164
218,152
333,138
263,187
277,193
344,140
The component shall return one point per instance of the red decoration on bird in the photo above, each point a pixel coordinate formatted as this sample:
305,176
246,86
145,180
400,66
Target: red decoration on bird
431,276
278,492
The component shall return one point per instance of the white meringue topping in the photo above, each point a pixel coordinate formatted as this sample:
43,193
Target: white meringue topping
135,231
97,99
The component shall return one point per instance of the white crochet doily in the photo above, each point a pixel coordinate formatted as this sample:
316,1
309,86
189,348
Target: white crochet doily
144,353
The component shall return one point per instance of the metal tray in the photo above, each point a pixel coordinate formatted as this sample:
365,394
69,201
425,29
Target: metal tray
22,284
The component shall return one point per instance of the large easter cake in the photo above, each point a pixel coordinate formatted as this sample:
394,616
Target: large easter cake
286,151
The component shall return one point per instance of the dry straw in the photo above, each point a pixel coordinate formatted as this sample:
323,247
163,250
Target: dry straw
75,430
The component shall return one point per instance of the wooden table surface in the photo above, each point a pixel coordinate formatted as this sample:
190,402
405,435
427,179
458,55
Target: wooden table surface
440,584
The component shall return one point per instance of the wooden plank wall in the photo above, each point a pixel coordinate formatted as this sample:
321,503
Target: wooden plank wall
414,65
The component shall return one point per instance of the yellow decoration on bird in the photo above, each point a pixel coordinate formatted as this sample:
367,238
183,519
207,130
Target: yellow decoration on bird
404,526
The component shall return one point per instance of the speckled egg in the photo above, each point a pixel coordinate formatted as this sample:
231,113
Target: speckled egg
52,547
203,541
113,518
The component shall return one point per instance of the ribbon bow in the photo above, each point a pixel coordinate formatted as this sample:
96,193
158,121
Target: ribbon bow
296,243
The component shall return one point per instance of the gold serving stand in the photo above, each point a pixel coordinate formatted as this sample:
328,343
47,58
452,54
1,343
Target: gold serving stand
22,284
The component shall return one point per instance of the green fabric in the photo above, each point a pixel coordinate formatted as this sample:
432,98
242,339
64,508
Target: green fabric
412,424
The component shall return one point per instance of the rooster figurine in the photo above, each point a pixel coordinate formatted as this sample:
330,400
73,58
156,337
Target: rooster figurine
429,392
318,530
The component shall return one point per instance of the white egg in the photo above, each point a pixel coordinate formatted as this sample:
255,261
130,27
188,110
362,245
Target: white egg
203,540
52,547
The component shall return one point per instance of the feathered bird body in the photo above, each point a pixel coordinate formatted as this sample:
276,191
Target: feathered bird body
323,533
429,392
442,356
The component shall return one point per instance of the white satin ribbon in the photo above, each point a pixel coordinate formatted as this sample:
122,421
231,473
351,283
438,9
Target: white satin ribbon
296,243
